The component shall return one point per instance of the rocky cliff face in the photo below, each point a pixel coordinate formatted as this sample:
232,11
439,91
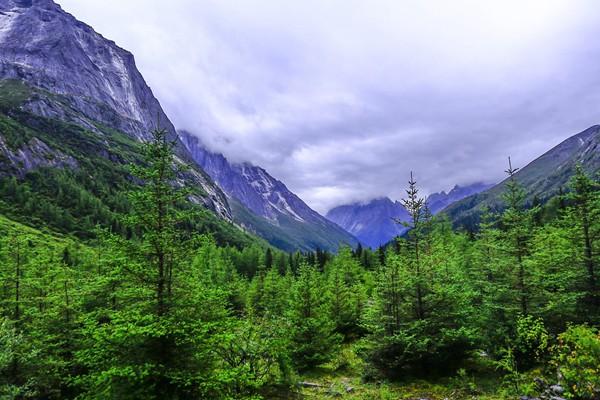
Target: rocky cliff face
31,155
47,47
76,75
269,199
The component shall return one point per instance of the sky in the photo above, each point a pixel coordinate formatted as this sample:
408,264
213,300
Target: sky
341,99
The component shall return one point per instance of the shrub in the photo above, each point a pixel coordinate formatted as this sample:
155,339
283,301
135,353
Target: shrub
577,357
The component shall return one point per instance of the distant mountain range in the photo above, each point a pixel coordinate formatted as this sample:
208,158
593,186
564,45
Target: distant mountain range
373,223
542,178
265,206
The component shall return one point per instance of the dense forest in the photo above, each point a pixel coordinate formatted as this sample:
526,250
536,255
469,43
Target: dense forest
131,303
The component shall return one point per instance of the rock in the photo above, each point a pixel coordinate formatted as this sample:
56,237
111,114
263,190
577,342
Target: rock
74,74
557,389
310,384
540,384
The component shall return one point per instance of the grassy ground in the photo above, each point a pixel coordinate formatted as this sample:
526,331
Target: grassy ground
341,378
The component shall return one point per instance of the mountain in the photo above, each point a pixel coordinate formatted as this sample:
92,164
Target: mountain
74,111
542,178
441,200
373,222
265,206
51,50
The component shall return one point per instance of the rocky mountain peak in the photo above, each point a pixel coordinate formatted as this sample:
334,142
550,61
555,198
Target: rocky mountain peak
74,74
50,49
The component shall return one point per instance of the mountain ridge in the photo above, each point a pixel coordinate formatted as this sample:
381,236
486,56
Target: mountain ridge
542,178
74,74
270,199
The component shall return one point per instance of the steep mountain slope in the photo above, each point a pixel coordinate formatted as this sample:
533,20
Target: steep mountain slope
48,48
373,222
543,177
265,206
73,74
74,111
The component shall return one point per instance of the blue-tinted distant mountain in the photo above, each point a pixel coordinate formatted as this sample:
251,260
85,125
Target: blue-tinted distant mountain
265,206
438,201
373,223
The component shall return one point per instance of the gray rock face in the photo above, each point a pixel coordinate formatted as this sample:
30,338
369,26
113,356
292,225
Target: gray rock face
80,77
32,155
264,195
48,48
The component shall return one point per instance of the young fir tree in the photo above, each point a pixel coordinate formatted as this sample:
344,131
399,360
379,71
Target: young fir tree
422,303
517,224
493,288
148,335
584,213
312,334
346,289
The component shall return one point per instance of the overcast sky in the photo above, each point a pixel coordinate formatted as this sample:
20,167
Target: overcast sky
340,99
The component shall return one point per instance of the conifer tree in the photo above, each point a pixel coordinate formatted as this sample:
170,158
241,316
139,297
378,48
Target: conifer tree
313,339
585,214
517,225
150,338
422,304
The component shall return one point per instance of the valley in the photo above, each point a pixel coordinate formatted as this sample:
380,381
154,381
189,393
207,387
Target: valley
137,262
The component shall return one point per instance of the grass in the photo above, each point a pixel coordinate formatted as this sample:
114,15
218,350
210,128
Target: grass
341,378
13,93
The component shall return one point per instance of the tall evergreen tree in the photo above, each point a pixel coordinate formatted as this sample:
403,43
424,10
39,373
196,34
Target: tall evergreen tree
313,337
150,338
585,214
517,224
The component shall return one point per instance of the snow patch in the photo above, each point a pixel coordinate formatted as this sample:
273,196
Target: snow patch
7,19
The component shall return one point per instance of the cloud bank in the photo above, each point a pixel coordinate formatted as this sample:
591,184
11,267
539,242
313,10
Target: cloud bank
340,99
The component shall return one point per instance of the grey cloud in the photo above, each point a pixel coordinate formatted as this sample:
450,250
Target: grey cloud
340,99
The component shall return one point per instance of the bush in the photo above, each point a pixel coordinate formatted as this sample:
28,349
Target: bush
577,357
531,341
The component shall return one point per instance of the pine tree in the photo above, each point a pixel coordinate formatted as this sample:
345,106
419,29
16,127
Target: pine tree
150,332
419,316
346,291
415,207
313,339
517,227
585,213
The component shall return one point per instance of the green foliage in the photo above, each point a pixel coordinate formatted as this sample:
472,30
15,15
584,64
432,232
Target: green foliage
313,339
419,319
577,357
113,285
347,290
531,341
